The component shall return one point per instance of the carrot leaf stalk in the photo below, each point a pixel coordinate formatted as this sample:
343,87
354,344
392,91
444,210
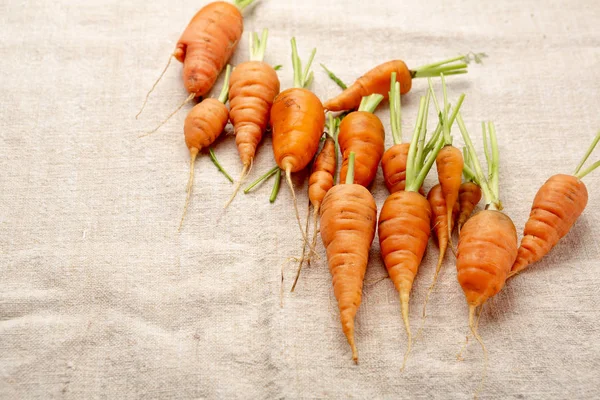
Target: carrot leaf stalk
213,158
276,186
261,179
451,66
242,4
332,127
468,170
350,174
258,46
224,95
395,109
580,174
334,78
369,103
489,184
278,67
302,77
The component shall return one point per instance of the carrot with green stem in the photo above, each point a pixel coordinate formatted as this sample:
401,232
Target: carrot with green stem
203,125
377,80
204,48
348,223
487,245
557,205
404,221
320,182
252,89
362,132
297,119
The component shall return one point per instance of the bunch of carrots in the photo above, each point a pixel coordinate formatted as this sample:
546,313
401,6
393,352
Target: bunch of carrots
345,134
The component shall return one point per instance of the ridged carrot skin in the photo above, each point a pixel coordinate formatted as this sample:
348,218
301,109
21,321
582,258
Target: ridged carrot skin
487,248
252,89
449,163
361,132
207,44
348,223
297,119
321,178
376,80
439,220
393,164
556,207
204,124
469,195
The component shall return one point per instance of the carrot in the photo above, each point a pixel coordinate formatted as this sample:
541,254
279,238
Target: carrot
377,80
556,207
362,132
404,222
348,222
203,125
252,89
321,180
487,245
297,119
469,193
204,48
449,161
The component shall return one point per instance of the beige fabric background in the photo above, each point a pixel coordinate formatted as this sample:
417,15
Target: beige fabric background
101,298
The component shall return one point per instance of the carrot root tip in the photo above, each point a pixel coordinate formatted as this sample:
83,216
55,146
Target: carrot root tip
238,185
193,154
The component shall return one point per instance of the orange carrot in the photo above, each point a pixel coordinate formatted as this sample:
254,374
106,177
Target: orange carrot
556,207
203,125
252,89
487,245
297,119
204,48
362,132
377,80
469,193
321,180
404,222
449,161
348,222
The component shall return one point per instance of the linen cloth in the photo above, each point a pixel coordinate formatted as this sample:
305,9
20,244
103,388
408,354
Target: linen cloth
102,298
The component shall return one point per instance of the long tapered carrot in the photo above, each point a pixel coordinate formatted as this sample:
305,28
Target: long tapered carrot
297,119
203,125
377,80
362,132
204,48
556,206
319,183
348,223
252,89
487,245
404,221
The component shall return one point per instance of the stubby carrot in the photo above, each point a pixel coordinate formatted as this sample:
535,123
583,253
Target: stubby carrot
348,222
487,245
377,80
252,89
404,221
204,48
203,125
320,181
362,132
556,206
297,119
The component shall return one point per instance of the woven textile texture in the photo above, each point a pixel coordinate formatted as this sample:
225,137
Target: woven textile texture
102,298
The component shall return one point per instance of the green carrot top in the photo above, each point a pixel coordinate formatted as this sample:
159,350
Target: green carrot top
224,95
446,120
242,4
580,174
302,77
258,45
395,109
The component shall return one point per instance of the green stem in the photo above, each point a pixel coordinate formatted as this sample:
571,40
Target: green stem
350,173
276,186
258,46
433,139
495,176
370,103
224,95
213,157
588,153
450,66
266,176
302,78
414,143
486,149
586,171
395,109
334,78
278,67
242,4
426,167
488,193
420,155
